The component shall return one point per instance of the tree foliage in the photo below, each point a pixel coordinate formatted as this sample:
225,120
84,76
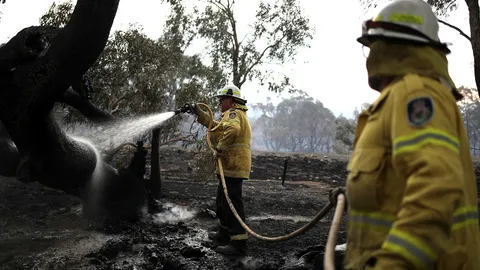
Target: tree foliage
57,15
302,124
297,124
279,29
470,109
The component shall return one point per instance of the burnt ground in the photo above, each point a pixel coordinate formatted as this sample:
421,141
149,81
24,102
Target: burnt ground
41,228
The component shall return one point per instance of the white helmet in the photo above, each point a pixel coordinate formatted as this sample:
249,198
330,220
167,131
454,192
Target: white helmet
230,90
407,20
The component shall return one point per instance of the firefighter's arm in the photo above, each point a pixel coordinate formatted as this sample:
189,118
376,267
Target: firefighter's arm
203,118
231,128
425,150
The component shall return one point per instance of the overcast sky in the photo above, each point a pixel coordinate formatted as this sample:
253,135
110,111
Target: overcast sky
332,70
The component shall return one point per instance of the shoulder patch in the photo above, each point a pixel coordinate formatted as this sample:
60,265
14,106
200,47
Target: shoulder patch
232,115
419,111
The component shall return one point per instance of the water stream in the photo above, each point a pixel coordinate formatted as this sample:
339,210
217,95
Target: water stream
111,136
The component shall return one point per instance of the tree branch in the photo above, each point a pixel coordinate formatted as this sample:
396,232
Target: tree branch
71,52
236,50
457,29
109,156
116,109
85,107
116,105
259,60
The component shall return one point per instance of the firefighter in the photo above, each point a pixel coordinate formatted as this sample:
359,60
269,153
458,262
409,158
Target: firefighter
231,136
411,185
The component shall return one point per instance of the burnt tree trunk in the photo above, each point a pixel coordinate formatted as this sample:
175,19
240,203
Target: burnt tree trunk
37,67
155,181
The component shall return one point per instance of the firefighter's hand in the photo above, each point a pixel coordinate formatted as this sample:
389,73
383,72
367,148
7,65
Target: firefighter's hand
218,152
333,195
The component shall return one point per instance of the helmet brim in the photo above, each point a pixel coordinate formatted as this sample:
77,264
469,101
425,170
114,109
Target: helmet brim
228,96
367,40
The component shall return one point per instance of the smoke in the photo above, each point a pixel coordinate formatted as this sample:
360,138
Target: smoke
250,263
173,213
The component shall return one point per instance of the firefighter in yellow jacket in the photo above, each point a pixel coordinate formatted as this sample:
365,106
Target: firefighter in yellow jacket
411,186
231,136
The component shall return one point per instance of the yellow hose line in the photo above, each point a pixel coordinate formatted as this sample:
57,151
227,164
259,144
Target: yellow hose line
323,212
329,257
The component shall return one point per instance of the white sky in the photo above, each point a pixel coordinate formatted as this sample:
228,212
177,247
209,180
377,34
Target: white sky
332,70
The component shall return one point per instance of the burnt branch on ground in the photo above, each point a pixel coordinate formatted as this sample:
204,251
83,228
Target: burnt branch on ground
78,97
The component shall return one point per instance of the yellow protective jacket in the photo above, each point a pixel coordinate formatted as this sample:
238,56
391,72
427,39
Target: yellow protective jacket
232,136
411,186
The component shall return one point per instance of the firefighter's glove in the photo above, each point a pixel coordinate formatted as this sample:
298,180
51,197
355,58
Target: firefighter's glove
333,195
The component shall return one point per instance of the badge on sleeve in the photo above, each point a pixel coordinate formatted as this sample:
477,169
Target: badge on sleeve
232,115
419,111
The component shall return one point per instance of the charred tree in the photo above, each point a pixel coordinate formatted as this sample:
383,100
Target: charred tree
37,69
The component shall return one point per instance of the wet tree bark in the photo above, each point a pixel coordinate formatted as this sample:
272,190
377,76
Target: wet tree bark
37,68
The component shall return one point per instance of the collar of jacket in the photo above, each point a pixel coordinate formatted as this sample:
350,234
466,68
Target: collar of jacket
236,107
398,60
240,107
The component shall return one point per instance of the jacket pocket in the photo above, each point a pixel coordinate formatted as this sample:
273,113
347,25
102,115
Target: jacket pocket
364,183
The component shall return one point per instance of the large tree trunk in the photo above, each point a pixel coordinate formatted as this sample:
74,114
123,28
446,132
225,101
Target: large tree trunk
474,17
36,68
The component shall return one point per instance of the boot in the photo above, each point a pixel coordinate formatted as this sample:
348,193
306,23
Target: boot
235,247
218,239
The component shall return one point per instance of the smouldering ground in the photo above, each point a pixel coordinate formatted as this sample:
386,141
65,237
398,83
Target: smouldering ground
42,228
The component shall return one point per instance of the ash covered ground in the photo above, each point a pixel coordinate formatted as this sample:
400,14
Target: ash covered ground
41,228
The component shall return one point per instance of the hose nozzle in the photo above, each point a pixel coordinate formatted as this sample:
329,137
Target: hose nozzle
187,108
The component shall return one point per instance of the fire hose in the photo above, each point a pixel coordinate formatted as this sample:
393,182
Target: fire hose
337,200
